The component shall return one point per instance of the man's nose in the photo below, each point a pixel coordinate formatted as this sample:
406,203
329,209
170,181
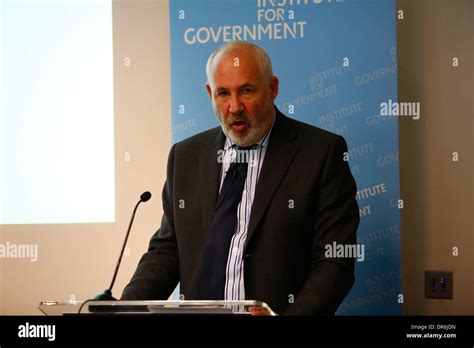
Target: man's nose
236,105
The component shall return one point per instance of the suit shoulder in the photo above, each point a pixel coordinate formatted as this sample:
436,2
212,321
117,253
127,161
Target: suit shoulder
199,139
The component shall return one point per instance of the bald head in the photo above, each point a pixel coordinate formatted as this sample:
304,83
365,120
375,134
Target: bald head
236,49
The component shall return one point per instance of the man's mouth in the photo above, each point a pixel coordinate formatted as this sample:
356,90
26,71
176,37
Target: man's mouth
239,126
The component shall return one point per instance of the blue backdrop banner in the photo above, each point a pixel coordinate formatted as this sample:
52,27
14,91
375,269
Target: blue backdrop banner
336,61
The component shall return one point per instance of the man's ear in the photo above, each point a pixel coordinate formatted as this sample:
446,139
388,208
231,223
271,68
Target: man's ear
209,91
274,82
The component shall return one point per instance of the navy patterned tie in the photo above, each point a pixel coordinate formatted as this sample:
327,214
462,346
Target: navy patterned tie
212,273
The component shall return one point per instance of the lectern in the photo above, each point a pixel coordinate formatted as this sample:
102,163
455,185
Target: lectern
153,307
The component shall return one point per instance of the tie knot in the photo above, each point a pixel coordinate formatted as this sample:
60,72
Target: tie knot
242,154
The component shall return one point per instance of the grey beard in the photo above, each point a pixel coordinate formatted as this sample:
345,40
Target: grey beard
252,137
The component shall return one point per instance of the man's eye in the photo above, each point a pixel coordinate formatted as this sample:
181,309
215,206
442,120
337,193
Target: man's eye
222,94
247,90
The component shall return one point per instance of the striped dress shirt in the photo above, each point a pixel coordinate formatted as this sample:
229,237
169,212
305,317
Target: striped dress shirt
234,284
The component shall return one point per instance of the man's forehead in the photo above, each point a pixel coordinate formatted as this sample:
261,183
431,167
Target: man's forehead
236,78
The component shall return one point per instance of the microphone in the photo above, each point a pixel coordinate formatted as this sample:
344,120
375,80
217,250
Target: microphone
106,295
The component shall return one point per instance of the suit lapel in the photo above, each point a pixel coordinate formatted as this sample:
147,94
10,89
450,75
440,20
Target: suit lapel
280,152
209,175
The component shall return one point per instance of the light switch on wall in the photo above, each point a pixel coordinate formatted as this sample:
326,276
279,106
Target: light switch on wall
438,284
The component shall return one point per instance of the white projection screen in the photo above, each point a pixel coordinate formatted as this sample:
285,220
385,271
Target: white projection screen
57,112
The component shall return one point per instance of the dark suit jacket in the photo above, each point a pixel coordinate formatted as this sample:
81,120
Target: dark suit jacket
304,199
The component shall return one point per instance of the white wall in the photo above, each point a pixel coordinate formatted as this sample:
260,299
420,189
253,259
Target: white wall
78,259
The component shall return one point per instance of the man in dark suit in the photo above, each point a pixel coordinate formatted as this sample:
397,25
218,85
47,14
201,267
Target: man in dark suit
257,230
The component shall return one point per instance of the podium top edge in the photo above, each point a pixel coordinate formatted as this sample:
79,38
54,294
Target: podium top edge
157,303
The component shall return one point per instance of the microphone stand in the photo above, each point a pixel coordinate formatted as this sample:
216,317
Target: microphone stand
106,295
